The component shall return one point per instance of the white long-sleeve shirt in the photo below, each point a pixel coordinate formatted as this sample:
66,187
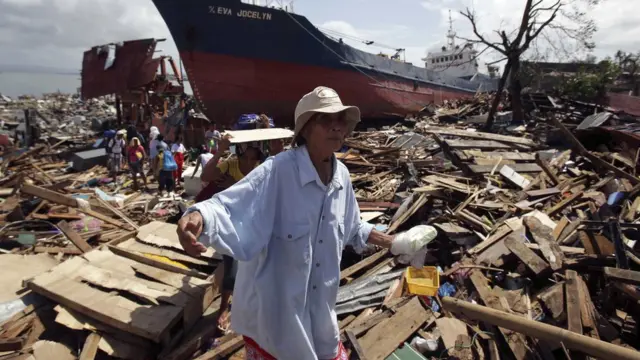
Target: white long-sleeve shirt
288,230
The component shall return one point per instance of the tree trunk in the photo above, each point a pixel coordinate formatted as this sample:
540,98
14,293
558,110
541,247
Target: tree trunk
515,90
497,97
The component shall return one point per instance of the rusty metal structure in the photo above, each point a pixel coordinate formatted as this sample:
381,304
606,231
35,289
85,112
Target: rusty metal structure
141,83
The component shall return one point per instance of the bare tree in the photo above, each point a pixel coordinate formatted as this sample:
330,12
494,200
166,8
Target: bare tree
554,22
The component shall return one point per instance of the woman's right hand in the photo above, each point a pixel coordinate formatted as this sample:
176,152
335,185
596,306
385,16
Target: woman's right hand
224,143
189,229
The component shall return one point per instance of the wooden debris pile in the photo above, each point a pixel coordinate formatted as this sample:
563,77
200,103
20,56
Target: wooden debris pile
133,298
453,110
537,251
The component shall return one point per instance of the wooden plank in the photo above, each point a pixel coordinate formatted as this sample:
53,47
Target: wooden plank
572,297
587,311
355,345
58,198
564,203
355,268
370,322
470,155
553,300
514,177
56,250
547,169
480,135
476,144
517,343
557,231
622,275
258,135
567,250
543,235
527,256
74,237
596,244
90,348
500,234
140,247
384,338
543,192
451,329
518,167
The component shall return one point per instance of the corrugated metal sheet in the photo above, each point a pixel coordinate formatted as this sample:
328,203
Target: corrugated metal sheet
365,292
594,120
134,67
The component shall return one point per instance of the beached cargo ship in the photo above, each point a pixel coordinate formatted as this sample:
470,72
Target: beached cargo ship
242,58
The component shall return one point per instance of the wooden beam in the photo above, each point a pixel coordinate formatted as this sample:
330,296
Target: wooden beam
480,135
90,348
384,338
572,298
527,256
621,275
537,329
74,237
355,345
355,268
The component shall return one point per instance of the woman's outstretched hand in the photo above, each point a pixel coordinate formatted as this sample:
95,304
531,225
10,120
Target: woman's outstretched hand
189,229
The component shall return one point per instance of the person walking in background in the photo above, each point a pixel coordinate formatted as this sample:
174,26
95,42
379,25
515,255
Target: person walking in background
116,146
158,143
136,156
165,166
286,223
211,138
178,150
201,161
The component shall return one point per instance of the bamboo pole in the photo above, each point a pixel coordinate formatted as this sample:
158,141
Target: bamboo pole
540,330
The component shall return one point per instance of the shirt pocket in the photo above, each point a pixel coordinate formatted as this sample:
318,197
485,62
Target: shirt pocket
294,241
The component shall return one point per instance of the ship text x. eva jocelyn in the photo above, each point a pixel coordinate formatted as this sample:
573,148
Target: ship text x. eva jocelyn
259,15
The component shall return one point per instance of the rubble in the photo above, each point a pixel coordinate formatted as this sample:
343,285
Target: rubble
536,249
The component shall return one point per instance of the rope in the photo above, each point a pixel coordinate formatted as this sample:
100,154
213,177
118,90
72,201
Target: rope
353,66
349,63
460,347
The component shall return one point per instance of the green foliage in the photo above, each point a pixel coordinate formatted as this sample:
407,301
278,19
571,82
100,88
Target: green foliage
593,85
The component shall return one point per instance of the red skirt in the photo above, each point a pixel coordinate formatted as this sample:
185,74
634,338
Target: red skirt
253,351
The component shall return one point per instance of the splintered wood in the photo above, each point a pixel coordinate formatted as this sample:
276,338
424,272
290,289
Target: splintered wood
92,286
536,247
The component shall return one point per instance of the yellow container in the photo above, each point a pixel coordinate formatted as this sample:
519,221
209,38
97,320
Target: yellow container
425,281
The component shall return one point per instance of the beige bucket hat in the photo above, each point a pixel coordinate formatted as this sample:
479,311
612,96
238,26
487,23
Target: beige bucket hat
323,100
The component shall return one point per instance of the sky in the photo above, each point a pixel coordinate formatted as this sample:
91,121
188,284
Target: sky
54,33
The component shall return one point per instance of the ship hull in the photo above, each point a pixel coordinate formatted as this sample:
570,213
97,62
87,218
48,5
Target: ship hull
243,58
227,86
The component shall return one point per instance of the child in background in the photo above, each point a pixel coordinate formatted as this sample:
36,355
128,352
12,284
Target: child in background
178,150
135,156
202,161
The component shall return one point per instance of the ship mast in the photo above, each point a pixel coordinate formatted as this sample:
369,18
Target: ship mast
451,35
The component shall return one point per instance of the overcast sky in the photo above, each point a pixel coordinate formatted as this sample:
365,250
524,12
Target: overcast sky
55,32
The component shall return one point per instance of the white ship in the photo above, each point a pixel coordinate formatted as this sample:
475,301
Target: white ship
456,60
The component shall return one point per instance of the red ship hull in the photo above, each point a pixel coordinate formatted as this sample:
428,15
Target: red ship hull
228,85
